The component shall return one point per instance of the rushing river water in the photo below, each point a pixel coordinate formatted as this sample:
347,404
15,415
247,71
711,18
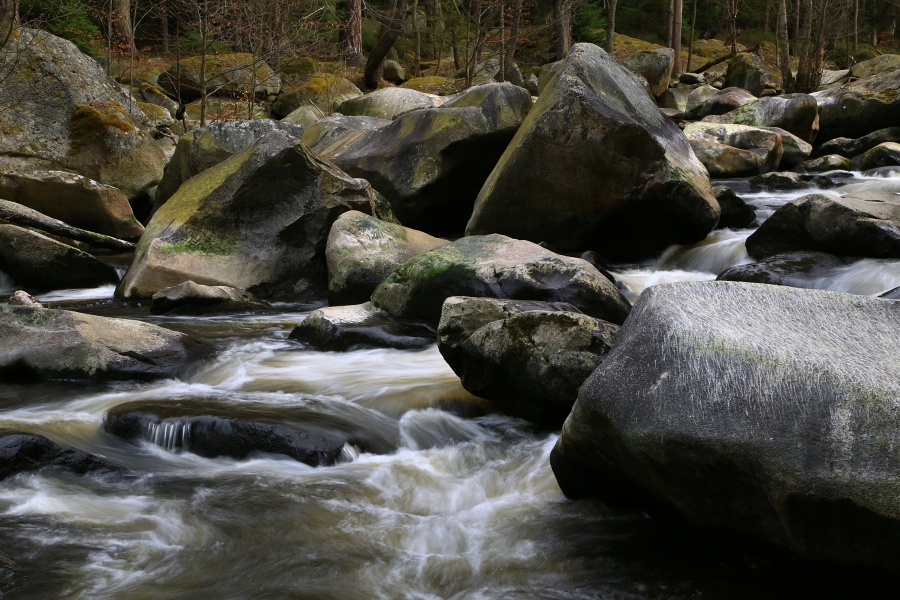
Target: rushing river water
464,506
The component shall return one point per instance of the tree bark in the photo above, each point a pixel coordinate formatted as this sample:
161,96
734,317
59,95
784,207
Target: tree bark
610,25
164,25
391,29
563,13
693,28
351,31
670,20
9,18
121,25
513,36
676,36
787,78
418,36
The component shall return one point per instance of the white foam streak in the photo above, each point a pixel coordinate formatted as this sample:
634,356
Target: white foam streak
104,292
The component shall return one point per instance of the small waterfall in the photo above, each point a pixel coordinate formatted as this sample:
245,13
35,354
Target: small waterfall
171,435
6,283
120,271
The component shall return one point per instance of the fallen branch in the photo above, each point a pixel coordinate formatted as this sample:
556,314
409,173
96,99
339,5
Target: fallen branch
22,215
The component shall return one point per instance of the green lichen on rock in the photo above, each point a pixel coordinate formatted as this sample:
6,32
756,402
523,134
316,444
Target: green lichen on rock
89,124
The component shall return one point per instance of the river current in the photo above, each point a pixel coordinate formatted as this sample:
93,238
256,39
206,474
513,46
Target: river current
465,506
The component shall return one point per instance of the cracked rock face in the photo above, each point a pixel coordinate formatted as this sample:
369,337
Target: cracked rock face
41,343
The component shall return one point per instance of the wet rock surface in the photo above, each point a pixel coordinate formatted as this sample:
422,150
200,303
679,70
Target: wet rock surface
24,452
795,269
361,326
190,298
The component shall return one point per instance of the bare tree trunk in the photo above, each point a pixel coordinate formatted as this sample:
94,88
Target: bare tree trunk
204,20
676,36
514,36
456,62
734,9
351,32
503,70
693,27
164,25
855,25
391,29
9,18
787,78
121,25
766,18
563,14
670,20
610,25
415,25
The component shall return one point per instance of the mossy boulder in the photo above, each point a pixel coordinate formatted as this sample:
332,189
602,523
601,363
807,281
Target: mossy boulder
362,250
73,199
61,112
760,411
323,91
305,115
235,75
205,147
860,107
875,66
749,72
866,225
257,221
735,150
796,113
886,154
495,266
43,343
40,263
388,103
596,165
157,115
431,163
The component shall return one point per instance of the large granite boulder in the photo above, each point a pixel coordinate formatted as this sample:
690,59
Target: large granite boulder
875,66
720,102
655,66
764,411
190,298
496,266
328,135
205,147
73,199
735,150
852,147
865,225
323,91
359,327
796,113
41,263
238,75
860,107
362,250
531,363
431,163
62,113
882,155
257,221
795,269
388,103
43,343
23,452
795,149
747,71
597,166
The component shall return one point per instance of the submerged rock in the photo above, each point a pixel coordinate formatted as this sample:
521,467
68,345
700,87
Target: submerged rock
23,452
362,250
257,221
361,326
763,411
190,298
496,266
849,226
45,343
795,269
596,165
38,262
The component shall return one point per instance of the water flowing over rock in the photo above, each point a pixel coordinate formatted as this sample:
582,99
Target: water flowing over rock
73,199
597,166
361,326
23,452
764,411
57,344
257,221
791,268
205,147
496,266
226,75
362,250
431,163
388,103
530,360
866,225
735,150
62,113
860,107
189,298
38,262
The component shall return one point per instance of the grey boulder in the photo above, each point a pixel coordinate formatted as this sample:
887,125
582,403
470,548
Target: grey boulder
190,298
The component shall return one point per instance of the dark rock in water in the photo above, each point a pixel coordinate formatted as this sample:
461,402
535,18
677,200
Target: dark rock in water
257,221
597,165
7,570
824,164
43,343
886,154
865,225
529,362
355,327
313,433
763,411
792,269
190,298
36,261
860,107
893,294
849,148
736,214
21,452
495,266
779,181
